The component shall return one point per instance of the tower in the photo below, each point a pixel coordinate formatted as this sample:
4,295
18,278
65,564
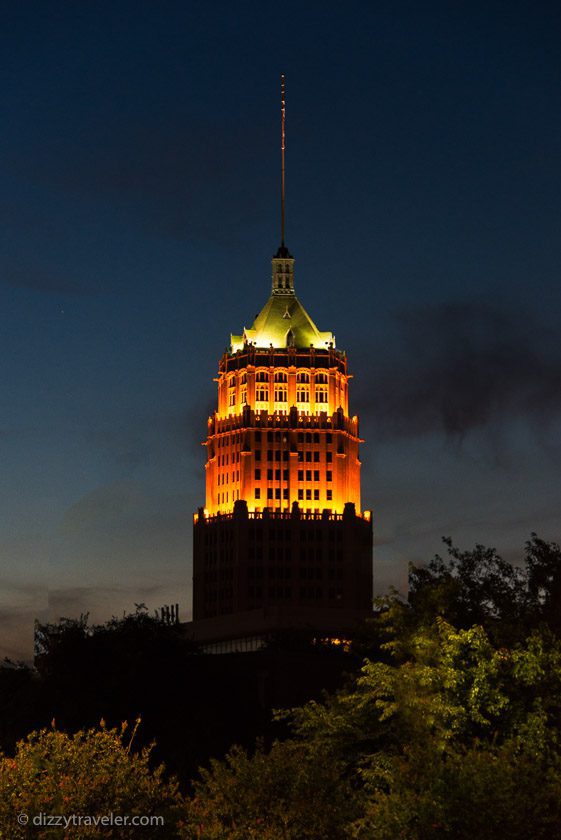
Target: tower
282,541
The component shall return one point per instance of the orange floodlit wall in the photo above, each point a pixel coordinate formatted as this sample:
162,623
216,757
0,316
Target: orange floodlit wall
282,433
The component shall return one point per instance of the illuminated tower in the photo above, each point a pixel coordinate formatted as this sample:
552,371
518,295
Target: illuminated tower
281,540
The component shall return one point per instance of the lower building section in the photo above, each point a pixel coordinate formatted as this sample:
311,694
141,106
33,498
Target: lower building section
256,572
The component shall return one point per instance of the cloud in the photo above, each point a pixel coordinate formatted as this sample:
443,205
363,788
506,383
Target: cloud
25,276
166,175
460,367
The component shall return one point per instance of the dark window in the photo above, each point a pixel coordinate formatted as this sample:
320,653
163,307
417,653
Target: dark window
257,436
257,492
269,475
308,437
270,493
329,437
277,475
285,493
316,495
300,495
329,456
300,456
300,475
329,475
316,475
269,436
257,454
269,454
257,475
308,456
277,455
316,456
329,495
316,437
300,437
308,475
308,494
277,493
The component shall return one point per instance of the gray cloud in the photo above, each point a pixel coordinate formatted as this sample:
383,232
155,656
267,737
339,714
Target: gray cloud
461,367
27,276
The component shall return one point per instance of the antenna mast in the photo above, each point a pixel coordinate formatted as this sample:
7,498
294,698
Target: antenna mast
283,116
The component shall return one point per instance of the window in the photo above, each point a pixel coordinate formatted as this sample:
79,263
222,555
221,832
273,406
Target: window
302,395
277,493
300,495
321,395
300,475
270,437
302,377
308,456
285,493
269,454
329,437
316,437
258,475
269,475
316,495
281,395
277,455
281,377
232,398
285,475
257,492
316,475
329,495
262,394
262,376
300,456
308,475
270,493
329,456
243,397
257,454
329,475
316,456
258,437
277,475
243,379
321,378
300,437
308,494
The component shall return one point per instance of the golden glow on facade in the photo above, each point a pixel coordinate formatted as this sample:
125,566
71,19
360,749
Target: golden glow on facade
282,431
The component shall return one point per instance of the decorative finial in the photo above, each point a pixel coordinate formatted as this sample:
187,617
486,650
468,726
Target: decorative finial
283,116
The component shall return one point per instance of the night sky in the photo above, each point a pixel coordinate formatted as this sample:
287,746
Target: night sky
140,210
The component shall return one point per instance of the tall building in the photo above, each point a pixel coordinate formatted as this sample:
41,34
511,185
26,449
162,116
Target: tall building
282,541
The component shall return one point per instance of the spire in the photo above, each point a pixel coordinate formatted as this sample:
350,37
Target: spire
283,118
283,250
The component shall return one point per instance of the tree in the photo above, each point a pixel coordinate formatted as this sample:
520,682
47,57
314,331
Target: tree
91,773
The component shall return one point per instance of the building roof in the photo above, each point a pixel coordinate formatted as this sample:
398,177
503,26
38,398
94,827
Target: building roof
283,322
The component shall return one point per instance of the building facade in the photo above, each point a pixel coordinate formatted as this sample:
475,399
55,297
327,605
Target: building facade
282,541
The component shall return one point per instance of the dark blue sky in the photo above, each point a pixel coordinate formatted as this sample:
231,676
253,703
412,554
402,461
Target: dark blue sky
139,174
